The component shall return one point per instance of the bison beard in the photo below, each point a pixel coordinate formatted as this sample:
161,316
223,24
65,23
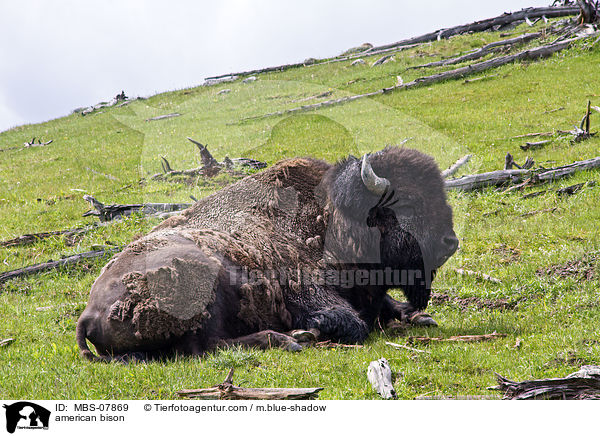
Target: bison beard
178,289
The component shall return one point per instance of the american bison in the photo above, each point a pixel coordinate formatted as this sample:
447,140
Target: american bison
303,246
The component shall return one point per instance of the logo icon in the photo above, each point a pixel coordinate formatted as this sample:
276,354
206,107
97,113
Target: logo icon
26,415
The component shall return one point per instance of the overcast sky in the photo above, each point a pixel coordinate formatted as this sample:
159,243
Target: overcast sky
58,55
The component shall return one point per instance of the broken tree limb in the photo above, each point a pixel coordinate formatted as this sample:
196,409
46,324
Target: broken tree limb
530,54
7,341
53,264
112,211
482,276
535,212
501,177
462,338
207,159
32,238
163,117
456,166
406,347
534,145
527,135
478,26
581,385
379,375
482,180
481,52
36,144
487,24
228,391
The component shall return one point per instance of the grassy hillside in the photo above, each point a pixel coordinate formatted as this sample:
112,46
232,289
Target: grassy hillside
554,317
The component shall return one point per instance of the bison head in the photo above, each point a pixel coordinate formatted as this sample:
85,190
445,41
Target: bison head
389,209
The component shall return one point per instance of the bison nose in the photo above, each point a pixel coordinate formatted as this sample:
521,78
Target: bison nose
450,243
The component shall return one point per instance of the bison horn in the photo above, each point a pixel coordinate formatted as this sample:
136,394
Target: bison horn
375,184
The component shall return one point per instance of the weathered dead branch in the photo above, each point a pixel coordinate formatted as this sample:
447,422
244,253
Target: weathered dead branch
210,166
530,54
6,342
406,347
481,52
379,375
457,397
535,212
112,211
228,391
164,117
501,177
476,274
581,385
32,238
456,166
32,143
487,24
534,145
463,338
207,159
477,26
54,264
329,344
527,135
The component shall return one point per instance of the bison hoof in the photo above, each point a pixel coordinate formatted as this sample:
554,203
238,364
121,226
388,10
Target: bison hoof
421,319
303,336
293,346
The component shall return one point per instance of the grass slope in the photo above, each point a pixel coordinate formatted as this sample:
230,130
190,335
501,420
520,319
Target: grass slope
556,317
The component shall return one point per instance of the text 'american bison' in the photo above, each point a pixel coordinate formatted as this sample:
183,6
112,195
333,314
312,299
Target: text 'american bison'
304,245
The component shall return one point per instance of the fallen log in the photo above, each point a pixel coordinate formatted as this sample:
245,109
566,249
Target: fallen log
228,391
112,211
478,26
487,24
379,375
32,238
493,178
481,52
53,264
581,385
500,177
463,338
163,117
530,54
534,145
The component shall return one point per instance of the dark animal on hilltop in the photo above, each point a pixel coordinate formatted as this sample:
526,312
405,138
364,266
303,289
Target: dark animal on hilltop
304,245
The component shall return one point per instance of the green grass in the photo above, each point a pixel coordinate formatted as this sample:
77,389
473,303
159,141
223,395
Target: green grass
555,318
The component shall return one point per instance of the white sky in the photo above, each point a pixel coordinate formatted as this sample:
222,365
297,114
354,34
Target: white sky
58,55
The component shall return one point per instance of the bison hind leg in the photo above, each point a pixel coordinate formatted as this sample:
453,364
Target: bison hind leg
265,340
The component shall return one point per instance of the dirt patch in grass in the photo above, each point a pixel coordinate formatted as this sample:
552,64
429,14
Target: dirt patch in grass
465,302
507,254
586,267
571,358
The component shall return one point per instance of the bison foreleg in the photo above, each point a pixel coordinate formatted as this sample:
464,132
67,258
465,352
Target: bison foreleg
338,324
264,340
404,312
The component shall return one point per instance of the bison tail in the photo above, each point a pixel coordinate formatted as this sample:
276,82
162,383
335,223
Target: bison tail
84,350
